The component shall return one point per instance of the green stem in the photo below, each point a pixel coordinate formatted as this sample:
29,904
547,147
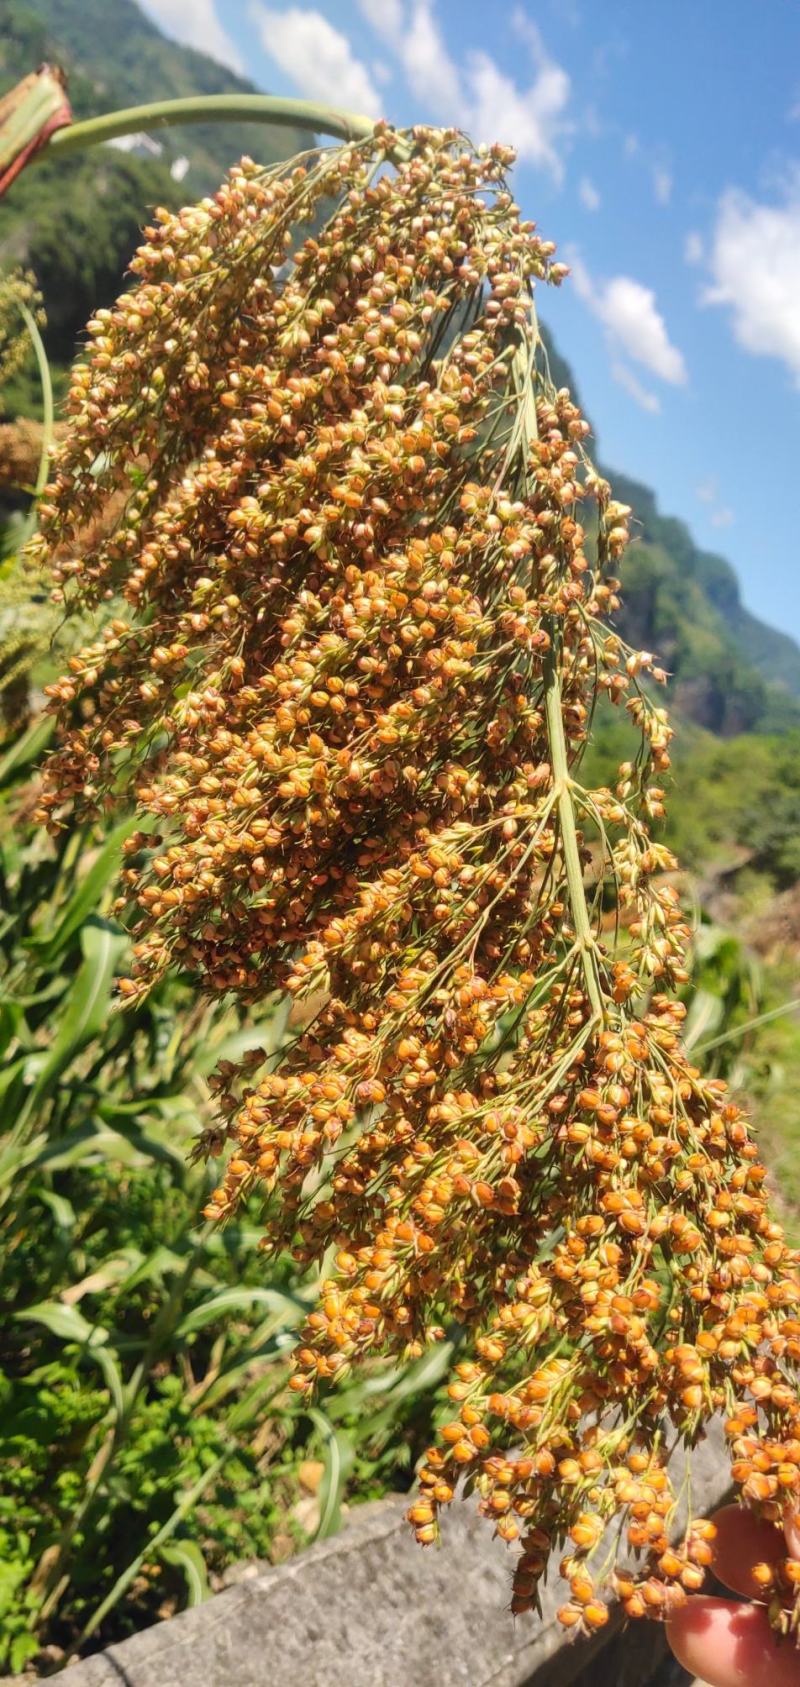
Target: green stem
123,1582
584,934
524,375
749,1025
48,405
210,108
181,1510
54,1581
47,395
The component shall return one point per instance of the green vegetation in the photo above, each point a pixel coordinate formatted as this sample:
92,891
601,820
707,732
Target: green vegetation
75,222
143,1348
730,672
733,804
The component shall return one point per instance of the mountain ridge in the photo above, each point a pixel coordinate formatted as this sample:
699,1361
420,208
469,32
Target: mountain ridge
685,603
75,221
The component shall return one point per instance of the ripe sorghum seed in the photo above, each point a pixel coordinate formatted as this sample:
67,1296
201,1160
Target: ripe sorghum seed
361,567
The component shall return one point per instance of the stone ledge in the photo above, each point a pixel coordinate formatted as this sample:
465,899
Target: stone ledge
369,1608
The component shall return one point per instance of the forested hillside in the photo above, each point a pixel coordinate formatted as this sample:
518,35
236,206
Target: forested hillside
732,673
76,221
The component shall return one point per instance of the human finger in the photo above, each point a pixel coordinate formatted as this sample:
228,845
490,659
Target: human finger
744,1542
729,1643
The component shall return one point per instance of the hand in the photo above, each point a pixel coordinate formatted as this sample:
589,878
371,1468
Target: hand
729,1643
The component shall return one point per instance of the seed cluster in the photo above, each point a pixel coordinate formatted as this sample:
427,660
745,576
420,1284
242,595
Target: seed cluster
17,288
361,590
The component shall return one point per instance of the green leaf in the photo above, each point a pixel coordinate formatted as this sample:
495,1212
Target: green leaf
187,1557
153,1268
424,1373
87,895
167,1107
172,1121
85,1144
64,1321
235,1300
90,1143
13,1071
23,1647
14,1158
69,1324
62,1209
389,1390
258,1353
704,1017
268,1034
112,1374
27,748
11,1017
110,1273
88,1002
338,1454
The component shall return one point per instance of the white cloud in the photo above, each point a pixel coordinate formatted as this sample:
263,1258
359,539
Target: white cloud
631,315
588,194
662,185
693,248
386,16
528,119
631,146
431,74
195,24
625,378
755,269
139,143
633,322
477,95
720,515
317,57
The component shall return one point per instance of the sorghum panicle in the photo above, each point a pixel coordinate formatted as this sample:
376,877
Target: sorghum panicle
361,576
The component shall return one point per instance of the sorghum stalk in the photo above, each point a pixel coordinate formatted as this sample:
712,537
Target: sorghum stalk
357,633
214,108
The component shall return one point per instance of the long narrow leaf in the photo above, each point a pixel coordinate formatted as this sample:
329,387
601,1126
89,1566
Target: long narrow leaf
338,1454
27,749
69,1324
62,1209
187,1557
239,1300
86,896
64,1321
164,1534
88,1002
112,1374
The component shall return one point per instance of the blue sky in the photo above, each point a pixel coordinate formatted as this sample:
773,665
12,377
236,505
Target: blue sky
659,145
